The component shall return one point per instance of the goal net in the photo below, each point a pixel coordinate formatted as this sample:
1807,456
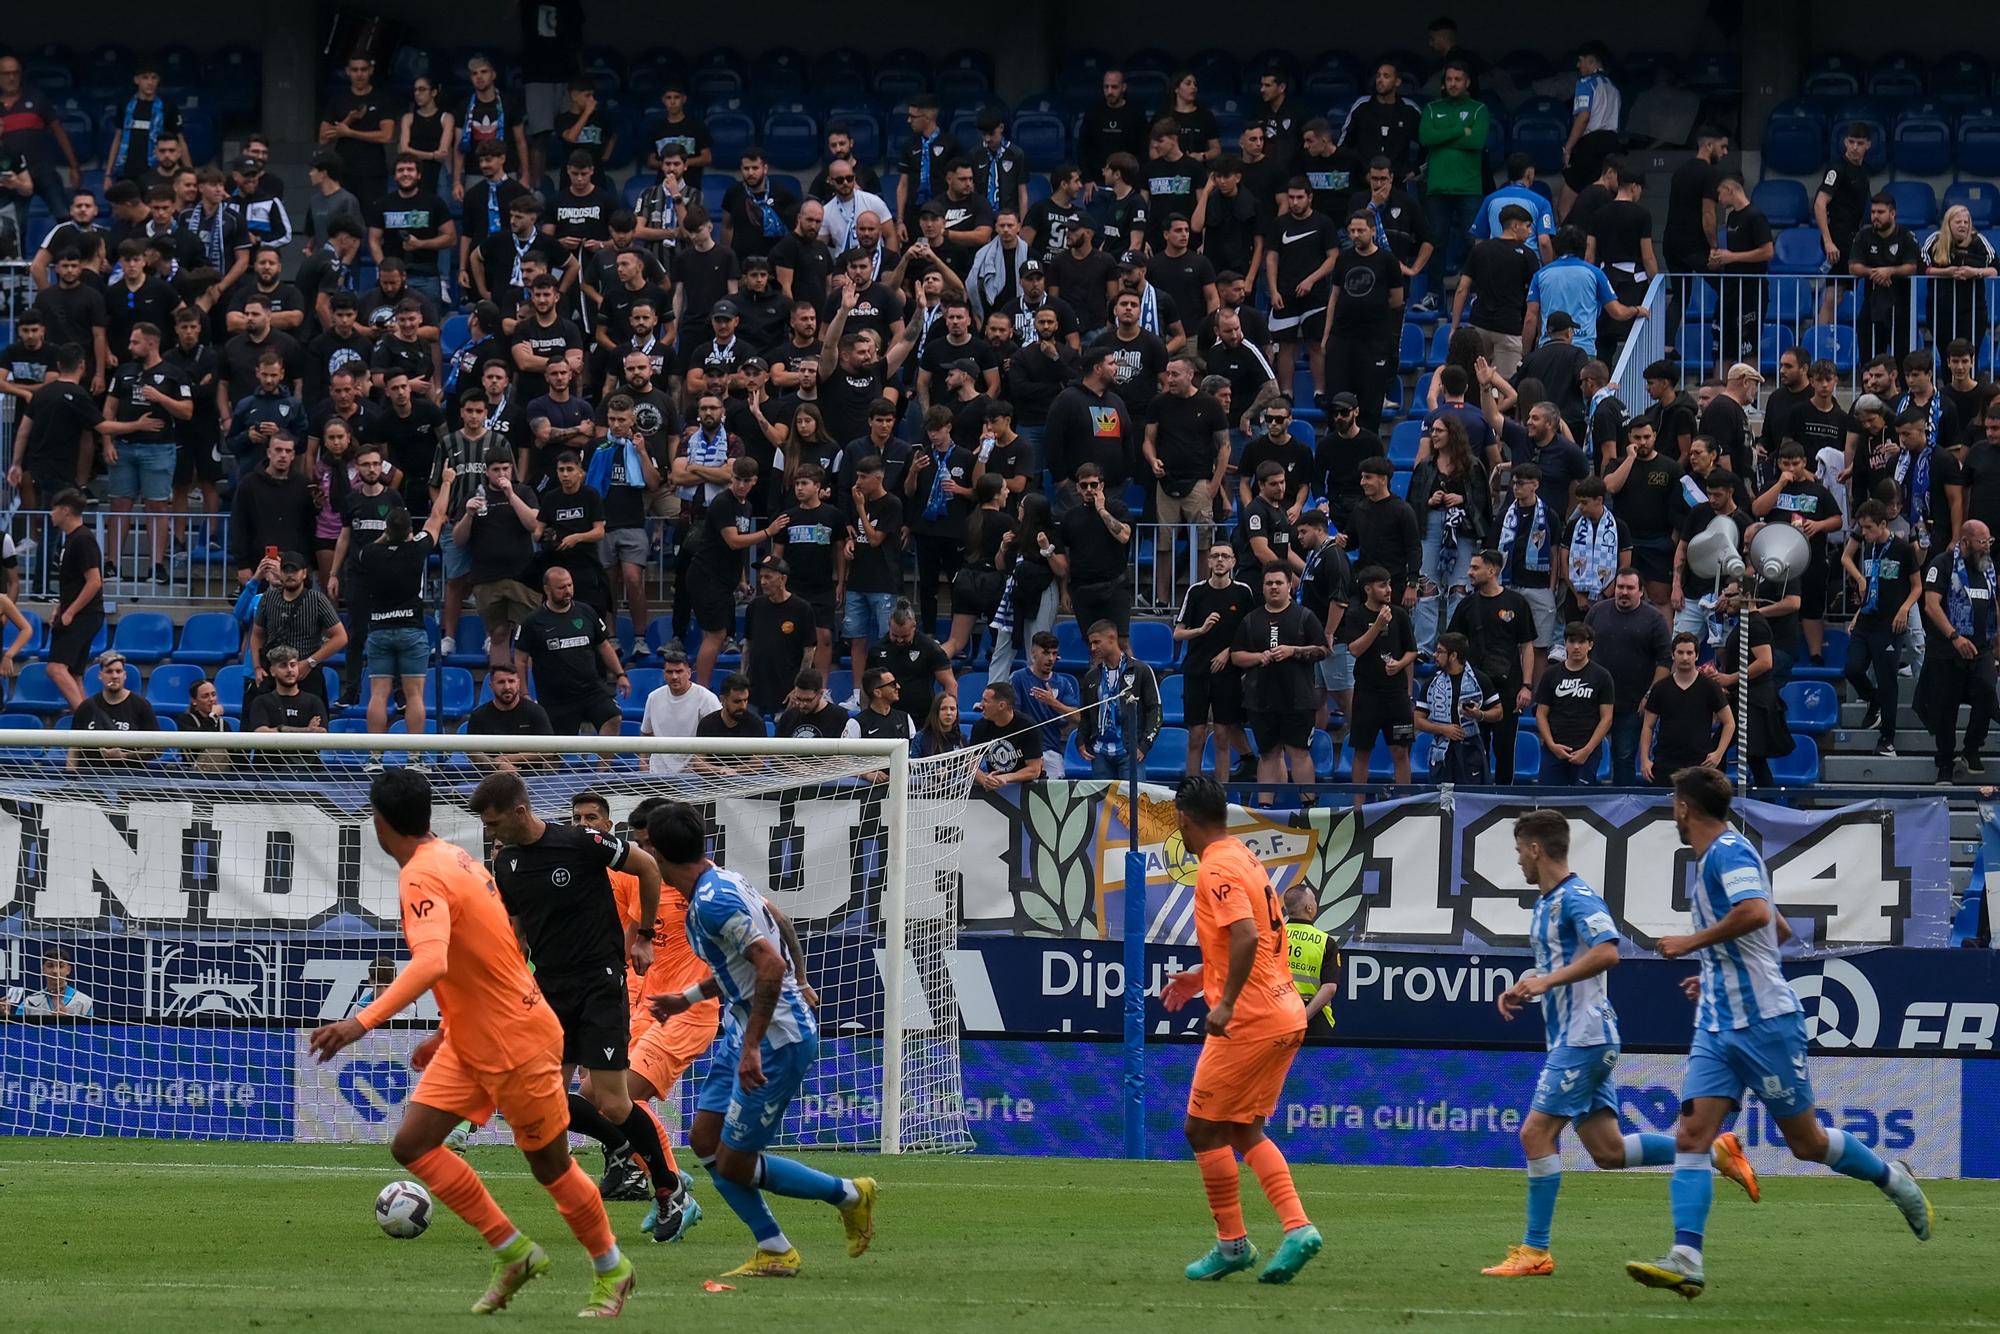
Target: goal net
179,912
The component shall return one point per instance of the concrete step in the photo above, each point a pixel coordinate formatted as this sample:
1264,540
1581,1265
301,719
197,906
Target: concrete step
1910,740
1908,770
1852,710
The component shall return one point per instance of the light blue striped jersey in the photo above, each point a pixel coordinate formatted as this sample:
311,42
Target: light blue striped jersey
1740,979
1596,94
1570,920
1541,213
724,917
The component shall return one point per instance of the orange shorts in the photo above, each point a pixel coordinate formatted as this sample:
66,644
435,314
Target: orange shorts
533,1098
662,1054
1239,1078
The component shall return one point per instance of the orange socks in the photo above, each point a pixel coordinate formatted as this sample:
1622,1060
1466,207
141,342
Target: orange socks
454,1182
1219,1179
1275,1175
576,1200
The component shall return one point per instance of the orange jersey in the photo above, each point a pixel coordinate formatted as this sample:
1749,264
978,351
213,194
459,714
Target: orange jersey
493,1012
1231,886
625,888
675,967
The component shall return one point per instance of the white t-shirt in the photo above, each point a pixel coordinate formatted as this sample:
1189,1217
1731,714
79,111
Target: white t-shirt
75,1004
1828,463
671,715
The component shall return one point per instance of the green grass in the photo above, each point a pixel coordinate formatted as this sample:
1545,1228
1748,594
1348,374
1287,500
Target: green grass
160,1237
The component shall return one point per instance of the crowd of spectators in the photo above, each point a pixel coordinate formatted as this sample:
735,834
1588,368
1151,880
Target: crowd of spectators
914,426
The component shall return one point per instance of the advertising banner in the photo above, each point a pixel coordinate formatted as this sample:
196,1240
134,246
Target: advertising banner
146,1080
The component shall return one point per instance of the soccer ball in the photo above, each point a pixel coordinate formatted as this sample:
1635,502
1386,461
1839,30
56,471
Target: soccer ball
403,1209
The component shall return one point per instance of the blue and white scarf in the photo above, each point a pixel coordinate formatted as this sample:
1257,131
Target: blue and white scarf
1110,718
924,167
493,213
209,232
1593,554
1971,618
1438,700
767,208
709,452
1693,490
1931,414
994,158
616,462
159,121
940,499
1913,474
1149,311
1536,557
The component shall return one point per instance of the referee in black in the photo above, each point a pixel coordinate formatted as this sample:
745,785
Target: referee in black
553,882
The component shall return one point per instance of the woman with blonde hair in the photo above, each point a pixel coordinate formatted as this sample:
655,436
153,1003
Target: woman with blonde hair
1958,261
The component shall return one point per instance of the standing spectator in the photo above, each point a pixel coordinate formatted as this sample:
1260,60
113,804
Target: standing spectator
1112,683
1633,644
1013,752
1456,709
1885,255
508,713
1571,285
79,609
1593,130
1097,534
1385,123
1326,587
1113,125
1959,628
1839,206
1693,221
1384,646
399,647
1621,243
716,570
551,49
1453,132
1089,424
274,510
1592,550
675,709
329,201
55,438
1264,534
114,708
1720,485
1887,585
1519,192
364,518
1499,628
1275,443
295,616
1382,530
148,398
1207,625
1574,703
1686,719
920,664
1364,304
1452,511
1742,256
1186,446
573,524
360,123
1496,276
757,211
1029,602
1931,482
1727,425
498,524
815,542
937,495
1530,533
779,636
1959,262
31,128
1301,251
875,570
1278,647
575,661
1650,505
413,225
1800,498
1343,448
147,121
624,474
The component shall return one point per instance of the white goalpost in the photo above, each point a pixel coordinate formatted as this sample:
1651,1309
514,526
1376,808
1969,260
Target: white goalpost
178,912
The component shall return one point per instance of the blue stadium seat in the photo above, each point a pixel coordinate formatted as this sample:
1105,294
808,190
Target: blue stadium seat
1527,756
1540,128
455,333
1793,301
144,636
644,680
863,127
1072,652
34,692
780,72
38,637
1043,137
1916,204
1834,76
1173,699
971,685
899,83
1153,643
1074,765
1167,760
1381,767
1325,756
1404,441
1777,339
792,139
209,639
729,133
1798,251
1411,358
1979,143
230,683
198,127
1794,139
1783,202
170,683
457,692
1440,346
1961,80
1895,83
1980,197
1801,767
1812,707
1399,484
1922,143
1831,342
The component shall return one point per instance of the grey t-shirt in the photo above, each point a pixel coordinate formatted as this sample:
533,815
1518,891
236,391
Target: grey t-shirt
321,210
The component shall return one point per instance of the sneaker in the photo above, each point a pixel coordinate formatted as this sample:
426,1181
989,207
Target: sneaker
670,1217
852,703
1670,1272
859,1217
1973,763
624,1177
609,1290
1523,1262
1426,305
1886,749
1871,719
160,575
512,1268
447,646
1902,1188
1220,1264
1300,1245
768,1264
1944,780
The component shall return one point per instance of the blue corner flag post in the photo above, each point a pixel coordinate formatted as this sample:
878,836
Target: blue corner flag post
1135,948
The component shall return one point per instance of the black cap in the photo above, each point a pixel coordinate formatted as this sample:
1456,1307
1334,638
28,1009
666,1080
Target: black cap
724,309
775,564
1560,320
966,364
292,560
1032,266
247,166
756,262
1344,402
754,364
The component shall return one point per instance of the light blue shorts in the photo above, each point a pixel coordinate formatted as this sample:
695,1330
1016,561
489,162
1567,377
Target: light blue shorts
1336,670
403,651
1768,1058
752,1118
457,559
1576,1082
144,472
866,615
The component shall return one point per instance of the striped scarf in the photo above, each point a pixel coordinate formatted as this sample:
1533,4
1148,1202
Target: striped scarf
1593,554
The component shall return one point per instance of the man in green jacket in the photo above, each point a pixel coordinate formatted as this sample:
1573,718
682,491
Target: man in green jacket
1453,132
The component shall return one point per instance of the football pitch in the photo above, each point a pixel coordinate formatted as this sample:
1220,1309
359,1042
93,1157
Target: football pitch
169,1236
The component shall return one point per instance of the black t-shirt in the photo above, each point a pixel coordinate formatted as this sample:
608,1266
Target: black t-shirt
780,634
1301,245
1888,568
526,718
562,645
1946,473
365,517
1231,603
1652,503
1083,283
1847,192
134,713
1817,428
153,303
411,443
758,222
1684,245
1685,730
580,217
394,577
1574,699
1050,222
1139,362
1095,556
329,352
366,164
878,569
1371,668
915,666
130,403
1500,272
1171,188
80,555
241,354
1811,502
1496,627
714,558
1746,230
556,887
71,313
1980,474
500,545
1009,744
827,721
808,543
273,710
1618,229
420,216
1365,282
61,411
25,365
1292,455
1182,278
1260,518
703,277
1724,422
1184,435
1279,686
810,262
552,341
749,728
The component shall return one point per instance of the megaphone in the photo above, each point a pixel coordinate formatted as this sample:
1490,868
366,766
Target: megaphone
1778,552
1714,552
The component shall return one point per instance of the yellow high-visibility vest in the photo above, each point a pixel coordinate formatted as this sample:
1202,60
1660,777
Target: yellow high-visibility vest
1305,946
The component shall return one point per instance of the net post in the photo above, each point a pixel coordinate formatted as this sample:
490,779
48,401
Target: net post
895,931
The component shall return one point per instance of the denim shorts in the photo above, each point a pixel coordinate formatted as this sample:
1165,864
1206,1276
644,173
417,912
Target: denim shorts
404,650
144,471
1336,670
866,615
457,559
